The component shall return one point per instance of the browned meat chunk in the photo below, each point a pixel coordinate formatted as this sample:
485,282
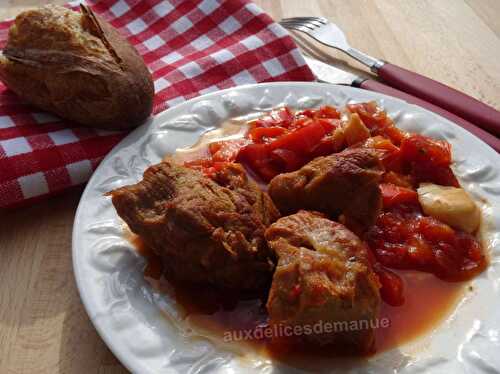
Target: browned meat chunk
344,184
323,275
234,177
203,231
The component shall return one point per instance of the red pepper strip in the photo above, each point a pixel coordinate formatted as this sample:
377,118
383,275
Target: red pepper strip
261,134
309,113
300,122
226,150
426,172
391,284
328,124
371,115
429,160
303,140
392,289
419,148
394,195
282,116
256,156
393,133
287,160
327,112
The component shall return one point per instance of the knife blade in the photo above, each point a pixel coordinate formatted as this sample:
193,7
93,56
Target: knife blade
330,74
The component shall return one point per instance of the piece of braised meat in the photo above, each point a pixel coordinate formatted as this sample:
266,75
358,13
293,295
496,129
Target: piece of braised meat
203,231
344,184
323,276
234,177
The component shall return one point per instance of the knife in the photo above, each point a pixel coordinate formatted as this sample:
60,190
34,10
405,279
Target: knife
329,74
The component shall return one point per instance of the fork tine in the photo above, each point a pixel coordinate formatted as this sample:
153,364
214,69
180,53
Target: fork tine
312,24
318,19
298,27
288,25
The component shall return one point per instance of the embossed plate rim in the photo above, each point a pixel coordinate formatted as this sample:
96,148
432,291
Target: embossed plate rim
142,142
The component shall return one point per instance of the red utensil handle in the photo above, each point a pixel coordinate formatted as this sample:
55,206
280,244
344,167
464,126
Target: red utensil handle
485,136
443,96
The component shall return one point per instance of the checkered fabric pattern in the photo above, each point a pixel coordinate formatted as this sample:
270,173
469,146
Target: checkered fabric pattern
191,48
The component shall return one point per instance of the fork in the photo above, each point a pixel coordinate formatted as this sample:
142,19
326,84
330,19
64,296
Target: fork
329,34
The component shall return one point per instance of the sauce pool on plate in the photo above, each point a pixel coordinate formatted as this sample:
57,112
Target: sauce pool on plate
428,302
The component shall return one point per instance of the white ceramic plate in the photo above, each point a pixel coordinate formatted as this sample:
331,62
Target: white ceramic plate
148,332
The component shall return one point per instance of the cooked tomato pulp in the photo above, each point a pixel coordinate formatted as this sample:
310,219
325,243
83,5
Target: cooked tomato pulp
403,238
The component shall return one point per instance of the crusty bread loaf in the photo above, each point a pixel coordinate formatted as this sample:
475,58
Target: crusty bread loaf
77,66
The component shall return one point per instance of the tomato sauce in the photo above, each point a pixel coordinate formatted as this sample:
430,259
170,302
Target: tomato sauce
403,238
216,313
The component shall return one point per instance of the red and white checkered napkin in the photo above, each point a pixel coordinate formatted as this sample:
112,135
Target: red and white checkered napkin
191,47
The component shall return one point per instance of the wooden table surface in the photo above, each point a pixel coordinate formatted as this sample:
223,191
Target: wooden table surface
43,326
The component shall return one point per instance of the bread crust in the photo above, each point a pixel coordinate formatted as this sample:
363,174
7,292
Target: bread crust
77,66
